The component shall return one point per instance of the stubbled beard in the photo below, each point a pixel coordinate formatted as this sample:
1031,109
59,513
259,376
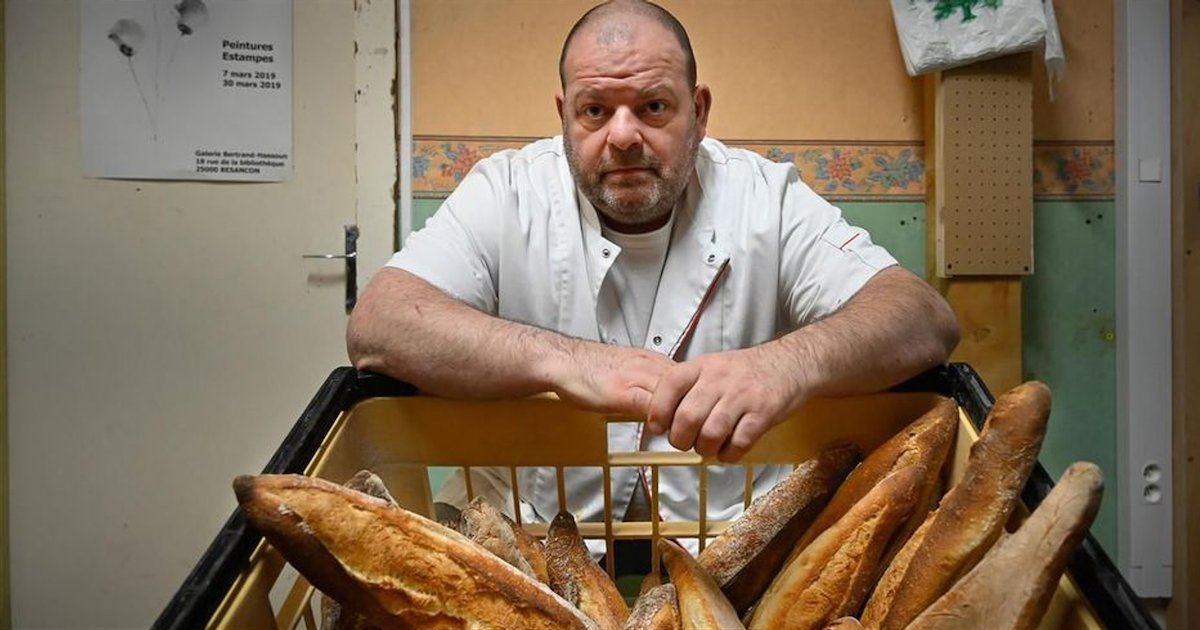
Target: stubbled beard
664,190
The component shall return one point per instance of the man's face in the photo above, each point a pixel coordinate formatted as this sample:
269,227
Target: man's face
631,123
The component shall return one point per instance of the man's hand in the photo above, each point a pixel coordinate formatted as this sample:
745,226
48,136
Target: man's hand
722,403
894,328
610,379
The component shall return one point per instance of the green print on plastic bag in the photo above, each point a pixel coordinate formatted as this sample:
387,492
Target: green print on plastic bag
943,9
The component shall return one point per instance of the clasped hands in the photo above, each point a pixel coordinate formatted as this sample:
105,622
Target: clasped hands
719,403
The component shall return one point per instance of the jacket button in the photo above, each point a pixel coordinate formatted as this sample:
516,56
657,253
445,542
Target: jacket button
605,252
657,340
712,258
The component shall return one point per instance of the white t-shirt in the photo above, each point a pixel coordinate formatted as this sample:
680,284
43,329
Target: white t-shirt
632,286
627,295
753,253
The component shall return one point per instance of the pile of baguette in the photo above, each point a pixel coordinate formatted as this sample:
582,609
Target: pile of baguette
838,544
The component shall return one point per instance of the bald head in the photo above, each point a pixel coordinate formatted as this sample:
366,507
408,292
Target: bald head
610,23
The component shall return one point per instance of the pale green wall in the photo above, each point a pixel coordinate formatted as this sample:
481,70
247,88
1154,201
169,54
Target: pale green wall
422,210
1069,318
897,225
1068,315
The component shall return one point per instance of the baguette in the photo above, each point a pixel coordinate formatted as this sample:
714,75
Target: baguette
333,616
578,579
702,605
832,576
531,549
885,587
972,514
484,524
844,623
1012,586
398,569
747,555
656,609
926,441
369,483
927,500
652,579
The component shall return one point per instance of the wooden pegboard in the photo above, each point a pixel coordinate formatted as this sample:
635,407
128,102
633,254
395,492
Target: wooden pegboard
983,118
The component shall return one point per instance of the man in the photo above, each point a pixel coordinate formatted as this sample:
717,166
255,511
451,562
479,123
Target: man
634,266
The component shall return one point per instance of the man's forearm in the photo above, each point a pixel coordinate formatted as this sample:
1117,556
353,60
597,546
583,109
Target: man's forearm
408,329
894,328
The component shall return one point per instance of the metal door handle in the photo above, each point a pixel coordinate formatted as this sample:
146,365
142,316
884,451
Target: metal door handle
351,258
350,255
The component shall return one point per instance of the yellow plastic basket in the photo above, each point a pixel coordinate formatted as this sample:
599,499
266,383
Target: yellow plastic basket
401,437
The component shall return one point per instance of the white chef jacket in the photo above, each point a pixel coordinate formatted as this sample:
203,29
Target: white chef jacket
754,253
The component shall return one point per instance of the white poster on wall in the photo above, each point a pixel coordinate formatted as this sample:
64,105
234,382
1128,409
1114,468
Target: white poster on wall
186,89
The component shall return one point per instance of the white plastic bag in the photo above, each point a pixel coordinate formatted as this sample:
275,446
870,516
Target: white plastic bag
940,34
1056,58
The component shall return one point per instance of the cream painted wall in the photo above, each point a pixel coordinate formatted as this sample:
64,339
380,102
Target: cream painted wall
162,336
779,69
768,63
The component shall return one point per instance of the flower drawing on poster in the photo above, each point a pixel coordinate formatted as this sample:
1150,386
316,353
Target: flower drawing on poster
186,89
128,35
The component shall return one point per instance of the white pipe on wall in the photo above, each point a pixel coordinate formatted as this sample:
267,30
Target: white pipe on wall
1143,142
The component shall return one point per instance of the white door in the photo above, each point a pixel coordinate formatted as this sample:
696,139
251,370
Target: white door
164,336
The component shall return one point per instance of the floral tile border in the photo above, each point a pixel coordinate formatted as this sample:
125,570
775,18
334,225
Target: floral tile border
1075,170
882,171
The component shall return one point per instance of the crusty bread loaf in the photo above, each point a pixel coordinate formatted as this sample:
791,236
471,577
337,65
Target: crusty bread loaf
844,623
531,549
484,524
885,588
926,441
702,605
750,552
655,609
928,496
652,580
1012,586
398,569
333,616
369,483
972,514
832,576
578,579
448,516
